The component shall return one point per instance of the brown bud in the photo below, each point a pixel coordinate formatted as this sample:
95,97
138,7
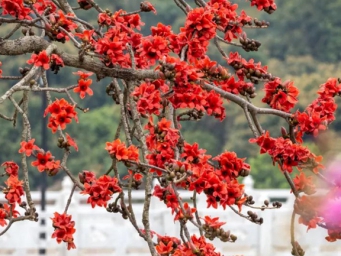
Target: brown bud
233,238
81,177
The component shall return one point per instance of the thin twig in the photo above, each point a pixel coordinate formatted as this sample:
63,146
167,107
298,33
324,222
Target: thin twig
292,233
69,199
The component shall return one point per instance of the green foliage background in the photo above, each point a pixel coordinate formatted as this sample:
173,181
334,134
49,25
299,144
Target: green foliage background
301,45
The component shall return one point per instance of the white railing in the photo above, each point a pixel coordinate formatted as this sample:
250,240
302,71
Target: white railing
101,233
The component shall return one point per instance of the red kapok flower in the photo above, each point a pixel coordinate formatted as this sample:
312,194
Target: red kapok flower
101,190
11,168
64,229
14,190
83,88
44,161
164,249
71,141
40,60
28,147
213,222
83,75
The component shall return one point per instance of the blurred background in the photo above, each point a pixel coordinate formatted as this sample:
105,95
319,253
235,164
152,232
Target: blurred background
301,44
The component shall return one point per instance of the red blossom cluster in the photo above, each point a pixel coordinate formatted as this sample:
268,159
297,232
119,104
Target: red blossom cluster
281,96
166,244
11,168
148,96
61,114
287,153
321,112
218,183
7,210
227,19
231,167
304,183
59,26
83,84
13,192
64,229
189,94
118,150
100,190
200,245
15,8
266,5
161,142
45,6
255,72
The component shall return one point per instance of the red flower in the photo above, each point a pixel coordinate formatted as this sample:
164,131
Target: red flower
14,190
40,60
267,5
200,20
213,222
101,190
186,214
153,48
164,249
61,114
119,150
83,75
135,175
264,141
11,168
28,147
230,166
45,6
83,88
201,248
86,177
15,8
86,37
71,141
64,229
3,216
149,101
57,60
44,161
330,89
6,211
280,96
304,184
60,20
214,105
56,63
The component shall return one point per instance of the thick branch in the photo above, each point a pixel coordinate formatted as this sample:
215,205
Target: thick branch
30,44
